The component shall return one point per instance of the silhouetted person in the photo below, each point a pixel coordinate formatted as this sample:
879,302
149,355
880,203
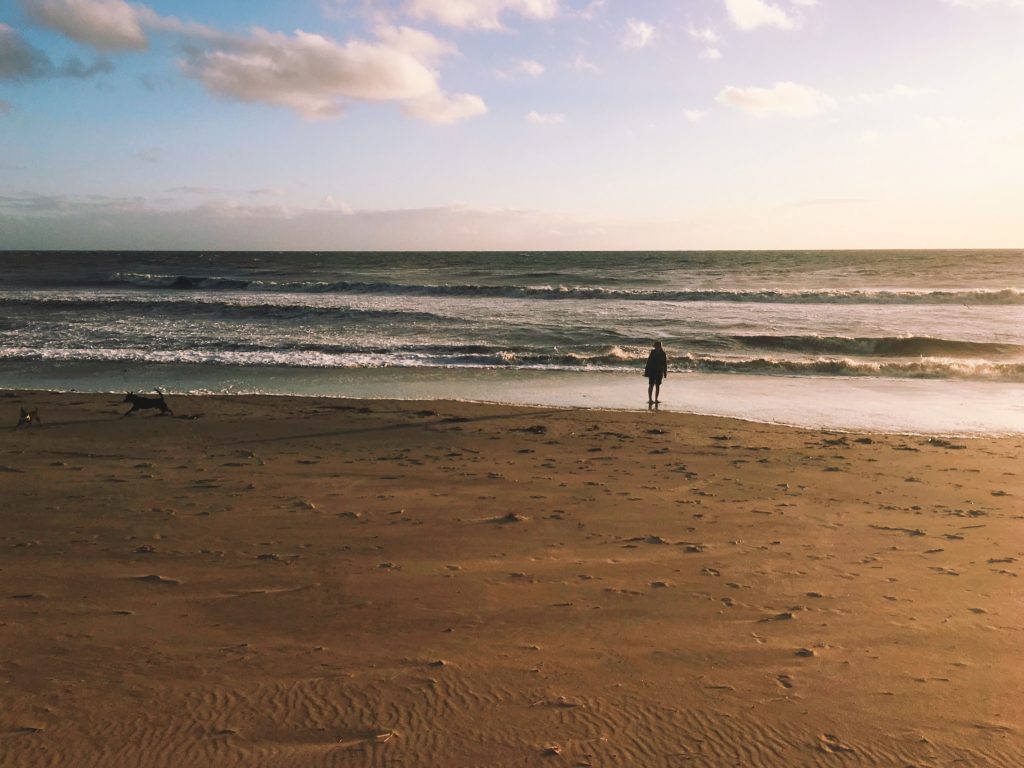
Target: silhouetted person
655,370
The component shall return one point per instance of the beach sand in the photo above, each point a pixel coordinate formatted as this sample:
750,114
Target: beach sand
313,582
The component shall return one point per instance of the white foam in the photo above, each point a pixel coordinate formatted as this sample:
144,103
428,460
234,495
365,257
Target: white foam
868,404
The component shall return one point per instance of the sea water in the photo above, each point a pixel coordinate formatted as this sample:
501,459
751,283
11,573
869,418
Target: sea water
895,340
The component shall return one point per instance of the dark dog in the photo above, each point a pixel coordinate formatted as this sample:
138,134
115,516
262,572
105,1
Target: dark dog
140,403
28,418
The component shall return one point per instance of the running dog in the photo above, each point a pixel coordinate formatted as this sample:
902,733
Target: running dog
140,403
28,418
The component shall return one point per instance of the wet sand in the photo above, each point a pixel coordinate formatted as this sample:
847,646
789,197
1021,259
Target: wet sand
315,582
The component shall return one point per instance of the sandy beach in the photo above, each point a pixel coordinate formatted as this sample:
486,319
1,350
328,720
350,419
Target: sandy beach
269,581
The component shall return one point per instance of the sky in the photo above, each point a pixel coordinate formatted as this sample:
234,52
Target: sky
511,124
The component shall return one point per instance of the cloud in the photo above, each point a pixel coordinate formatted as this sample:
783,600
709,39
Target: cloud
751,14
445,109
638,34
480,14
711,54
530,67
703,34
194,190
582,64
538,118
527,67
20,61
693,115
74,67
317,77
421,45
150,19
308,73
331,203
152,155
47,222
781,99
592,9
108,25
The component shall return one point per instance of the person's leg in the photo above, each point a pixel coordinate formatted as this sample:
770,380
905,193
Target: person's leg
650,390
657,392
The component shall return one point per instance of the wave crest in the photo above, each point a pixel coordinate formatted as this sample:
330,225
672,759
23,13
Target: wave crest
981,297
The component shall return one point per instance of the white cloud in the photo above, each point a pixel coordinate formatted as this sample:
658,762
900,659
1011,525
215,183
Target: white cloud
710,53
194,189
311,74
318,77
693,115
638,34
480,14
593,8
150,19
445,108
421,45
781,99
582,64
870,137
703,34
538,118
751,14
333,204
527,67
108,25
531,68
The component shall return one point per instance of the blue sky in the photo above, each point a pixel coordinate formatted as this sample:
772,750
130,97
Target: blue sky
522,124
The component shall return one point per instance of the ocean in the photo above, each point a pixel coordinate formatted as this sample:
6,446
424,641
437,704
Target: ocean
771,335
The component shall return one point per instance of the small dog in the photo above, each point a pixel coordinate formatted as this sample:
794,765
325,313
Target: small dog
140,403
28,418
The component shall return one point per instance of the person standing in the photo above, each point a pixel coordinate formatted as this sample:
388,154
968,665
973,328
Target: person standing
656,370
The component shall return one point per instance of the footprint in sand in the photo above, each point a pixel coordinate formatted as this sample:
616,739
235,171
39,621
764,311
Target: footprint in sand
509,519
153,578
832,745
784,616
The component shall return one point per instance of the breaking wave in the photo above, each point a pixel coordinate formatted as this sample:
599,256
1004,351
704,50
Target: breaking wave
883,346
611,359
1004,296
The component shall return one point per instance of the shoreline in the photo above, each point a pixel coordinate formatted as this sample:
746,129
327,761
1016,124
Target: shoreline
525,407
897,406
308,581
